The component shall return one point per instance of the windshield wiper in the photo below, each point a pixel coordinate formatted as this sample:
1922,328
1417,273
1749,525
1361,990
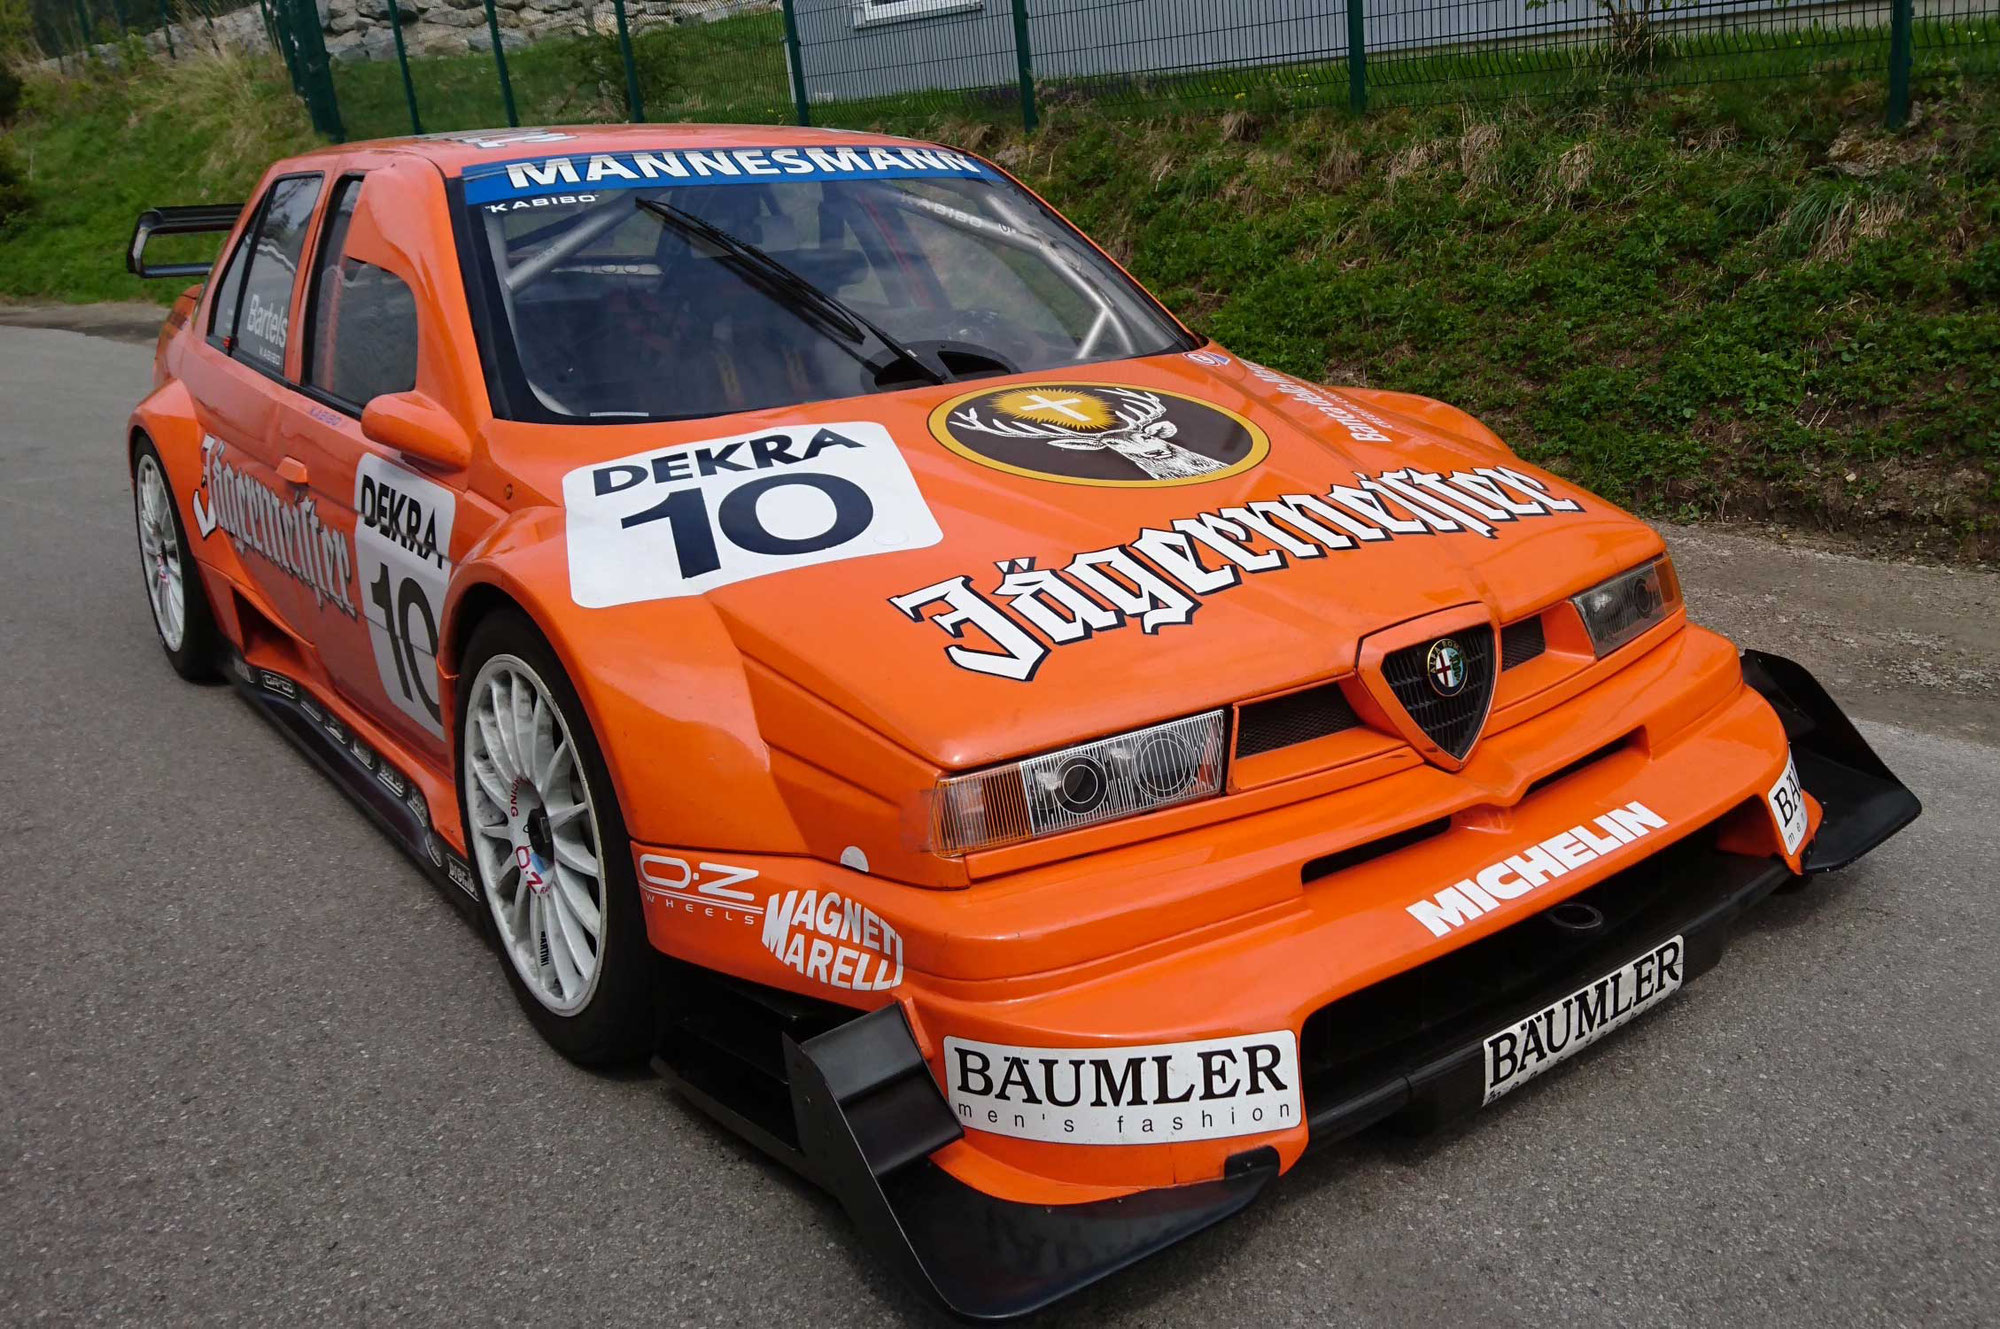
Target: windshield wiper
789,287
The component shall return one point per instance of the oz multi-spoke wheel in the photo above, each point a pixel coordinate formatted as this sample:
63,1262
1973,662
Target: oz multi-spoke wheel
173,588
534,834
549,846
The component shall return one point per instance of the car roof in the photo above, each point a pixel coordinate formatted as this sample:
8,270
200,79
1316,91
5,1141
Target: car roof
457,150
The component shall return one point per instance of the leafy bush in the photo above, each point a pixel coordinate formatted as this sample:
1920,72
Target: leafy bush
14,198
598,66
10,93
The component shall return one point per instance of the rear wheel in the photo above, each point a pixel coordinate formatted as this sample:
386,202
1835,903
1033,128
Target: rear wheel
174,590
550,848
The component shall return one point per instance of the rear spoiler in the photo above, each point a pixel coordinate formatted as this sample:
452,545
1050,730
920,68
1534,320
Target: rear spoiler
202,219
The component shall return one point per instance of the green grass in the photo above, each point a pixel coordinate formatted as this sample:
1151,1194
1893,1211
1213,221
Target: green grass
732,71
96,151
1742,299
1683,301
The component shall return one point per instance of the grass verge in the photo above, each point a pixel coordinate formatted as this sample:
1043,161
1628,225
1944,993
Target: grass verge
1743,300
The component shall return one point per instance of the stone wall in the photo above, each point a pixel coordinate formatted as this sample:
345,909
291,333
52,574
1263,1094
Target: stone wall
359,29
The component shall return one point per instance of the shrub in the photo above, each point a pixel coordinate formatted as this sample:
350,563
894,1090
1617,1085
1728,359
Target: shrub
10,93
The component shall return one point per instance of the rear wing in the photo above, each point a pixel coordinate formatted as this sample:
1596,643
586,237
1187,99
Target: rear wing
202,219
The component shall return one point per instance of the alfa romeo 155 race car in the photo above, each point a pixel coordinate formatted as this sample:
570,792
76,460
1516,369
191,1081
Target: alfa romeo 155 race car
1018,762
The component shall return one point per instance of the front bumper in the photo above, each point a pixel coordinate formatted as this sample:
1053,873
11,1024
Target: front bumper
868,1122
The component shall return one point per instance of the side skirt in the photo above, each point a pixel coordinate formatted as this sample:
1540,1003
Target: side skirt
389,797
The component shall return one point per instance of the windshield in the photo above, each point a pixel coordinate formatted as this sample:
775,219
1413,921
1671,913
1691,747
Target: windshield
806,274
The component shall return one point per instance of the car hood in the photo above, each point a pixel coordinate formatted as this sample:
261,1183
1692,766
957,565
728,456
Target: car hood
1010,581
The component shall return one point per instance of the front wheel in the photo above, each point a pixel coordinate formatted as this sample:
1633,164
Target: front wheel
550,848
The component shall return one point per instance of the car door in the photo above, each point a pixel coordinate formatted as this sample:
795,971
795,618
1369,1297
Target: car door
359,341
250,492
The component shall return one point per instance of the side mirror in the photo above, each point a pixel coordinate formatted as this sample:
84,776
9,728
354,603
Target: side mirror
415,425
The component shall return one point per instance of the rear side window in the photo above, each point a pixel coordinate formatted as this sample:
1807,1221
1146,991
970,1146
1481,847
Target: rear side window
222,314
256,329
363,320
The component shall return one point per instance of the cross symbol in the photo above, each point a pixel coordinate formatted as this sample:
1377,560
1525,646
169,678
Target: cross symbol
1061,405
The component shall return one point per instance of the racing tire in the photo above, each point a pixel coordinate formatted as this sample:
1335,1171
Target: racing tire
182,617
549,849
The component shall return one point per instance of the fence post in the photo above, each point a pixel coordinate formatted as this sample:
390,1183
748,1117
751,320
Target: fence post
500,60
316,70
634,106
801,110
1357,59
403,61
1025,59
1900,57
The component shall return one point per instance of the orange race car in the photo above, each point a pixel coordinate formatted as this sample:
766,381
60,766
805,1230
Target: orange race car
1030,769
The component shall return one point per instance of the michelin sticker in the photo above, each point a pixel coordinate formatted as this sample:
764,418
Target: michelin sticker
402,535
691,519
1161,1092
503,182
1534,867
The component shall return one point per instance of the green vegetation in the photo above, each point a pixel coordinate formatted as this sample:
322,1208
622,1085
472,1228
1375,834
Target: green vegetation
1744,299
731,71
94,152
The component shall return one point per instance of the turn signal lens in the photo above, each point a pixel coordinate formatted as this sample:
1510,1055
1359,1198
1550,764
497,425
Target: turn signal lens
1617,611
1123,776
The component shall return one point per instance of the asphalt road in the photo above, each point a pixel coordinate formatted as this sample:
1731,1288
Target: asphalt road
254,1070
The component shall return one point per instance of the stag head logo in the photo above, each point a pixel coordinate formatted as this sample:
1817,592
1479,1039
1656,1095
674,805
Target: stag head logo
1099,434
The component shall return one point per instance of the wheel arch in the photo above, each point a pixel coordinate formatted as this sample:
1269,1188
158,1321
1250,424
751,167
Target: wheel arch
663,689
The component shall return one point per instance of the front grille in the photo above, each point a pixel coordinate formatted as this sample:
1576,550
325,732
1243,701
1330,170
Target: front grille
1298,717
1451,722
1521,642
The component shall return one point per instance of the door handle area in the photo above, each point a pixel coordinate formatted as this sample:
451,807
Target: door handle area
292,471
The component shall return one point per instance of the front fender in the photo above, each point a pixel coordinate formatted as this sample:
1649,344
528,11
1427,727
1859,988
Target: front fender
1436,416
662,682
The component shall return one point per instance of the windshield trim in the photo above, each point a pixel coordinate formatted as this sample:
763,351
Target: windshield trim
512,397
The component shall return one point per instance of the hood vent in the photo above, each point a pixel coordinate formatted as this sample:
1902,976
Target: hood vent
1296,717
1446,684
1522,642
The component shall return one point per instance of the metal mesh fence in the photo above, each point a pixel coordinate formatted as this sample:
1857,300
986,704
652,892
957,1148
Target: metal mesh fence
455,64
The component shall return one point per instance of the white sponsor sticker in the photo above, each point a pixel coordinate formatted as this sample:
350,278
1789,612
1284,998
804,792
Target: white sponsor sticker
1534,867
707,890
1159,1092
657,525
402,537
1559,1031
1788,807
833,939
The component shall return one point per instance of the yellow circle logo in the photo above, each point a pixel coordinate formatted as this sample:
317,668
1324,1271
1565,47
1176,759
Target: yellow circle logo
1099,434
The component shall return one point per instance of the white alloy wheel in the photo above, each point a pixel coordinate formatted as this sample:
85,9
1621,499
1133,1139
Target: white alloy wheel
534,834
160,553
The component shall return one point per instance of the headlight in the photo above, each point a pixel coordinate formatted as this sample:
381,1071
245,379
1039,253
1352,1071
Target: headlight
1616,611
1155,767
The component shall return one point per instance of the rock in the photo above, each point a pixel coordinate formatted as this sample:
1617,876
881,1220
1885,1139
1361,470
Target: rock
510,40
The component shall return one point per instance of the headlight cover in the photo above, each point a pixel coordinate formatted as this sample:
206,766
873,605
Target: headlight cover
1615,612
1085,785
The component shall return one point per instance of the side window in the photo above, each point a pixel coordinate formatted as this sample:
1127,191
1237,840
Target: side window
264,305
222,314
363,320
